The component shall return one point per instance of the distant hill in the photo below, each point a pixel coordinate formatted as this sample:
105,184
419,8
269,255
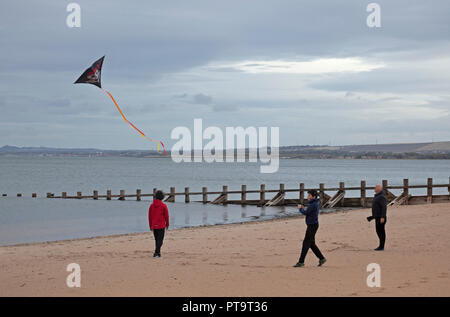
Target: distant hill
48,151
401,148
438,147
16,149
432,150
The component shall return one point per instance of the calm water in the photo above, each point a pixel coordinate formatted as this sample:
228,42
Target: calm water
31,220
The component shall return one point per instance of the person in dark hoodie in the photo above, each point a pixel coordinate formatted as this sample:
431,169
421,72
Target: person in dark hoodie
312,225
379,207
158,220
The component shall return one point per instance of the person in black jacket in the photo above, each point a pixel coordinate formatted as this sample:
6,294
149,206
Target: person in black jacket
312,225
379,206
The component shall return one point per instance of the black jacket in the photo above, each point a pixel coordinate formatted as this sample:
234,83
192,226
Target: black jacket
312,212
379,206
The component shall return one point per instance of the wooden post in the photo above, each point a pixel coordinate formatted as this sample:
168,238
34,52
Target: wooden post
79,195
262,194
342,188
449,188
172,193
301,195
385,186
64,195
34,195
122,194
282,192
95,195
363,194
243,199
138,194
430,191
205,195
108,194
225,193
186,195
244,194
406,189
321,194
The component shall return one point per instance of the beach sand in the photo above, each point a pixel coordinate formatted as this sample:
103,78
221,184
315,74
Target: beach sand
250,259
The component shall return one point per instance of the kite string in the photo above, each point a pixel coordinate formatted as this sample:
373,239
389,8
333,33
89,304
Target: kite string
132,125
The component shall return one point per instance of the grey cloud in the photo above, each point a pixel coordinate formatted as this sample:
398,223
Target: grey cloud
181,95
225,69
198,98
385,80
202,99
225,108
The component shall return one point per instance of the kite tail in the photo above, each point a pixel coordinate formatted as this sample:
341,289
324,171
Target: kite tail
133,126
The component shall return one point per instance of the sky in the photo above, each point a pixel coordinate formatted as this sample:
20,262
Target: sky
312,68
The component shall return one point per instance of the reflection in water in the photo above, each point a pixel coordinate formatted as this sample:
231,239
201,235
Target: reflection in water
225,216
204,217
186,218
263,211
243,213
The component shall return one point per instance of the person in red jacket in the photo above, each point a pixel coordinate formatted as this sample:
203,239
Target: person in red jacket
158,220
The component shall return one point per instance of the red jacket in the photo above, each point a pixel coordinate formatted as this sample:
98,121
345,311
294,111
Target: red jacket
158,215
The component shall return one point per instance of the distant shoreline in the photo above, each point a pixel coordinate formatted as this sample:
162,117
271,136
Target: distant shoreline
414,151
305,157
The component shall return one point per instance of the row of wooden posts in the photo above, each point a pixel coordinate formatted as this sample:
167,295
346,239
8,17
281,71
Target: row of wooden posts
337,200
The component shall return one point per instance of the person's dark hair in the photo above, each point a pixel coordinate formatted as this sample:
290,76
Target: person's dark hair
159,195
313,193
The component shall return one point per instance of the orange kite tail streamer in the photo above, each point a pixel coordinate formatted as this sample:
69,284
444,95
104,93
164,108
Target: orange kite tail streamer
133,126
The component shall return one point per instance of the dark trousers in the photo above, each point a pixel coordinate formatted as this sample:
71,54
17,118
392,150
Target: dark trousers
310,242
159,237
381,232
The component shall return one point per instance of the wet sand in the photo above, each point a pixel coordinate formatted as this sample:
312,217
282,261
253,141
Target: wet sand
249,259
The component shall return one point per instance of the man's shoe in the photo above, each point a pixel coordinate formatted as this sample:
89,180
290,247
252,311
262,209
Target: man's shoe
322,262
299,264
379,249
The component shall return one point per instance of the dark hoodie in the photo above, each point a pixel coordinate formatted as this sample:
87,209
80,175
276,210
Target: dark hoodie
312,212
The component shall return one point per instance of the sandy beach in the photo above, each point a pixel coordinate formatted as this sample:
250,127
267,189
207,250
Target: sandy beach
250,259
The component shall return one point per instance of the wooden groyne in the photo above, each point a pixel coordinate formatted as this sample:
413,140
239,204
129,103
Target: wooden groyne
329,197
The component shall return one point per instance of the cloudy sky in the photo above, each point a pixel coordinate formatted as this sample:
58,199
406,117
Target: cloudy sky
312,68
